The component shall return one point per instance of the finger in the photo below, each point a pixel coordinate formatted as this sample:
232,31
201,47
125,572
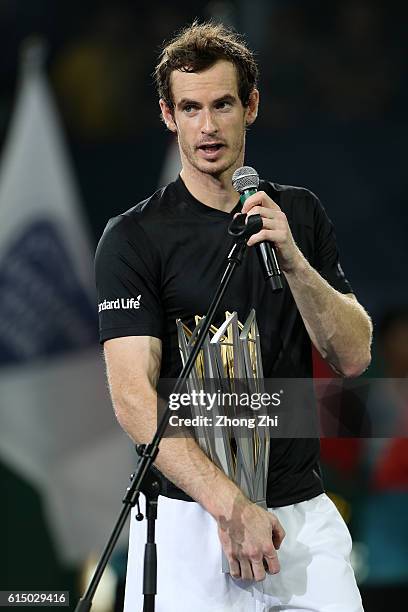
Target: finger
269,224
274,235
260,198
259,237
271,219
278,535
246,569
272,563
263,211
258,569
235,570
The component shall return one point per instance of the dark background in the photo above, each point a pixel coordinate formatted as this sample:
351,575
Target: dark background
332,118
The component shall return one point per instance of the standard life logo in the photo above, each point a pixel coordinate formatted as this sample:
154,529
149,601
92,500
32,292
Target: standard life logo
120,303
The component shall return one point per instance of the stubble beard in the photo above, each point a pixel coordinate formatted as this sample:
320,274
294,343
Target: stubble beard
190,154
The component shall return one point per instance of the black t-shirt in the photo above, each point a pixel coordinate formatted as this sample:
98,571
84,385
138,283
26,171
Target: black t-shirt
163,260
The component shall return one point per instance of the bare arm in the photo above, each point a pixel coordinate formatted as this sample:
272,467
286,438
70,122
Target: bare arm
247,532
337,324
133,365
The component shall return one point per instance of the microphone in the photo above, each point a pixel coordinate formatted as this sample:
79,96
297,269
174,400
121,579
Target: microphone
245,180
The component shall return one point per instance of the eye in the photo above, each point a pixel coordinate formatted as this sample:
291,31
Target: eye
223,105
189,108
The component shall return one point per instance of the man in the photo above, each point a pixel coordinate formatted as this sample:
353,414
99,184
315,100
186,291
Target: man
168,253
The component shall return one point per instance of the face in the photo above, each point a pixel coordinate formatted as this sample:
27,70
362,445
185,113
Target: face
209,118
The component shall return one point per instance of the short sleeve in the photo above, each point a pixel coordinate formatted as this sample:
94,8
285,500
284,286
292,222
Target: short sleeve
327,260
127,274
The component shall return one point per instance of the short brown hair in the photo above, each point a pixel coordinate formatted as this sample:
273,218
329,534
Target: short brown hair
199,46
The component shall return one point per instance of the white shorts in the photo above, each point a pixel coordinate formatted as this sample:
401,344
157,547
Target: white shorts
315,574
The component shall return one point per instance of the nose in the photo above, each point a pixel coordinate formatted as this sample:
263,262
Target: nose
208,125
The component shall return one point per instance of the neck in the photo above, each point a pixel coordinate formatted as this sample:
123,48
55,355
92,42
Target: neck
214,191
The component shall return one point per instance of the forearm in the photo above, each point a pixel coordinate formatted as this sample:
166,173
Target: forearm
180,459
337,324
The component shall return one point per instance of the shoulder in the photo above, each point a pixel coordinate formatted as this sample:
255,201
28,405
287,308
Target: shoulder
298,203
139,213
135,222
289,191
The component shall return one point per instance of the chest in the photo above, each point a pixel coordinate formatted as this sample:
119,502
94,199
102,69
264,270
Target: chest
194,258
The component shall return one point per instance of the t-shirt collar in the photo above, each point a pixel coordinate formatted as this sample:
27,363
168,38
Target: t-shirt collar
184,193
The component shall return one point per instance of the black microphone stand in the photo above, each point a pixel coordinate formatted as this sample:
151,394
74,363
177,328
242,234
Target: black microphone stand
143,479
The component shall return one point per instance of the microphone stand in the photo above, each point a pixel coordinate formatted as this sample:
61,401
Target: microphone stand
143,479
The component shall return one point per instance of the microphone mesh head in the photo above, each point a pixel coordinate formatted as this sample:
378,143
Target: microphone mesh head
245,178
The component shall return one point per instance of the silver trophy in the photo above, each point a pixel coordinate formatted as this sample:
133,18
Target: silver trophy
230,362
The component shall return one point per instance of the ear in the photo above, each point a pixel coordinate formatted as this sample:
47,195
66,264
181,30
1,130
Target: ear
251,110
168,116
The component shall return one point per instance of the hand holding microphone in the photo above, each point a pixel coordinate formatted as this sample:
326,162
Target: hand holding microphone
275,234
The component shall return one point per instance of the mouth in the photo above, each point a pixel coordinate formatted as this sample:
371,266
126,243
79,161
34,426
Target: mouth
210,150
